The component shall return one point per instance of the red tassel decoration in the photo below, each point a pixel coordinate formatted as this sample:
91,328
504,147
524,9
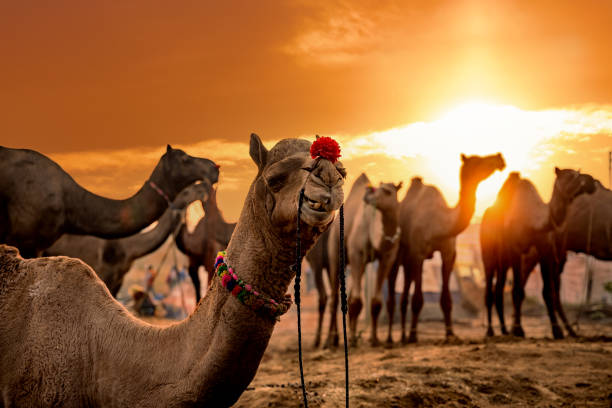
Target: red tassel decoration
325,147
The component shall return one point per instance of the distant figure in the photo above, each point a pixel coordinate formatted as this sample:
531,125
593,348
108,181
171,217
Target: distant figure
150,275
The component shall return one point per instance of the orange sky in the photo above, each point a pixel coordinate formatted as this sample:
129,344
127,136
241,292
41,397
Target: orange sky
101,87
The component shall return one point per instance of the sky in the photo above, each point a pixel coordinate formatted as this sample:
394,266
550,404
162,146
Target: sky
406,87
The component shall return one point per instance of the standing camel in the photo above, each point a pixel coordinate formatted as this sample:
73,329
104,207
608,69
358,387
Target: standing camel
318,259
210,235
530,223
372,234
66,342
427,225
494,258
111,259
39,201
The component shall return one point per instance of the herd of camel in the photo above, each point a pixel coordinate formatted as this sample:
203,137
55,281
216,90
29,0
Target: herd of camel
65,340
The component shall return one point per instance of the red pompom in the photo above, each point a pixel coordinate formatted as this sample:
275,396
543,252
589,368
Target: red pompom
325,147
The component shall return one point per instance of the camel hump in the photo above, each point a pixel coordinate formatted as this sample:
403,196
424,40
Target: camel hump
417,180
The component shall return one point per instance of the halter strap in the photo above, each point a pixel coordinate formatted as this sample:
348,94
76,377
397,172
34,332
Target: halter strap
161,193
246,294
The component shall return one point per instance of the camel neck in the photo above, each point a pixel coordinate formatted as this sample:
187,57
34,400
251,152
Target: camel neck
139,245
91,214
462,213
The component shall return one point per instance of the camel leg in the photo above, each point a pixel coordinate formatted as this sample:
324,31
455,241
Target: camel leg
386,262
332,335
548,293
500,285
355,303
318,275
558,304
518,295
193,274
446,303
404,299
391,299
489,296
416,271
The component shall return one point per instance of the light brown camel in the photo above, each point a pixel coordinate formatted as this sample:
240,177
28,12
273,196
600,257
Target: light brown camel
210,236
529,222
318,259
66,342
427,225
39,201
111,259
353,202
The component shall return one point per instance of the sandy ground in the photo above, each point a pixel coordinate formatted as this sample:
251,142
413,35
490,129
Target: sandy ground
475,372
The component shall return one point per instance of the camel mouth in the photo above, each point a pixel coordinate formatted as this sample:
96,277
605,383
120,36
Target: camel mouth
314,205
314,213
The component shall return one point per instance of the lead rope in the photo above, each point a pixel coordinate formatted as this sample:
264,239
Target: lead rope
298,275
343,303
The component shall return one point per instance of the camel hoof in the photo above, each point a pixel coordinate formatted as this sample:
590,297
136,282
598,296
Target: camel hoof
452,339
557,332
504,331
332,342
490,332
374,342
411,339
572,333
317,342
518,331
389,343
353,342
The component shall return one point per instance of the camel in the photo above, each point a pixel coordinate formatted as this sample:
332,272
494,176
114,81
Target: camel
111,259
427,224
39,201
318,259
493,257
210,235
67,342
353,202
371,234
589,225
530,223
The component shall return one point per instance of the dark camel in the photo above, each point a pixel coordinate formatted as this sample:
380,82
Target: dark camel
111,259
427,225
210,236
66,342
39,201
530,223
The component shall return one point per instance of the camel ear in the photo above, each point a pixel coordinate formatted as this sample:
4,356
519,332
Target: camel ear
463,157
168,148
557,171
258,151
398,186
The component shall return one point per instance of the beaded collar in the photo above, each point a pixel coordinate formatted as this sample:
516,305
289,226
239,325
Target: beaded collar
246,294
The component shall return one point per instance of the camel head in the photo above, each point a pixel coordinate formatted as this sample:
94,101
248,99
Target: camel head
283,171
180,170
384,197
571,183
194,192
475,169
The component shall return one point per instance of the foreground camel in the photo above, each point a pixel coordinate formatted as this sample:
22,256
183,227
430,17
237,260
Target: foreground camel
210,236
39,201
530,223
111,259
66,342
427,225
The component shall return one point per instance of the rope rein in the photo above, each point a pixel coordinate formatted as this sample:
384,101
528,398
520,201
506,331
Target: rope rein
343,304
298,275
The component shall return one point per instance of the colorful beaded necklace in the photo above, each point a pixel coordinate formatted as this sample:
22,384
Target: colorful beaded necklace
246,294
